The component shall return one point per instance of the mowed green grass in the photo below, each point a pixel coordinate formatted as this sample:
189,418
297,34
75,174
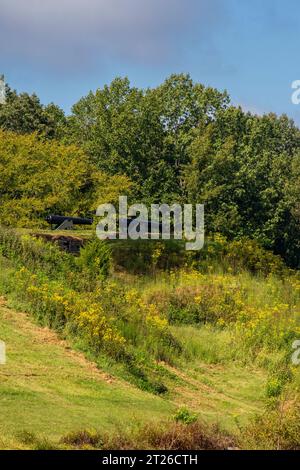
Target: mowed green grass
215,385
50,390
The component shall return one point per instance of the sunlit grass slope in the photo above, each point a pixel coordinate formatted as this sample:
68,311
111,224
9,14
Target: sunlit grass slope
48,389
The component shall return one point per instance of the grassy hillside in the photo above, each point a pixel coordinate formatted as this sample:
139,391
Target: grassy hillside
112,351
50,390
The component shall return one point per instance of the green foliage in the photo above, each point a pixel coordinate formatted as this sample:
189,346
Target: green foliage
35,253
240,168
72,296
62,391
260,315
95,260
235,256
280,376
23,113
274,387
183,415
147,256
81,273
227,319
178,142
35,442
248,255
183,142
276,429
38,178
143,134
218,255
196,435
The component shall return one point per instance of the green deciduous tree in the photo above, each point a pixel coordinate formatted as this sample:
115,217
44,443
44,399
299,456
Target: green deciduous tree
24,113
241,168
178,142
41,177
144,134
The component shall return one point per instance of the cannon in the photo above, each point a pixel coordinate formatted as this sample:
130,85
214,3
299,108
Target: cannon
63,222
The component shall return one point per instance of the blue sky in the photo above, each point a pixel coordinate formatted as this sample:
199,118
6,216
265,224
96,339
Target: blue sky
61,49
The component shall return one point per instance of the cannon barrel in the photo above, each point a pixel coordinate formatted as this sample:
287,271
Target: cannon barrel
59,219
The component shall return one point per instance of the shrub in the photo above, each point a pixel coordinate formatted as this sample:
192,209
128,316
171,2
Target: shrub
107,317
95,260
274,387
247,254
35,442
81,273
277,429
35,253
197,298
59,307
185,416
83,438
148,256
273,327
166,436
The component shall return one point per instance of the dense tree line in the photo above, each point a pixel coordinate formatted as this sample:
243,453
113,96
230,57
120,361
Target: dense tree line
180,142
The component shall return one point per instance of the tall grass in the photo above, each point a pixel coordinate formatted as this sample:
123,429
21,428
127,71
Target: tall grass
101,315
247,310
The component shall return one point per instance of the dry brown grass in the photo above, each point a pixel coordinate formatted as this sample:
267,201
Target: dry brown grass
171,436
